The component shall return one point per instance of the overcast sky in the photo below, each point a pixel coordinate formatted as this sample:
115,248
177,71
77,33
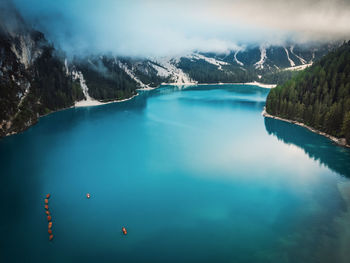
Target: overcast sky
162,27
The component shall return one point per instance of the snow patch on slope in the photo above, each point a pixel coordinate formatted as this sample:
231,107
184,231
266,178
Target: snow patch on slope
263,57
66,66
131,74
237,61
303,61
77,75
162,72
24,95
291,62
176,74
25,51
313,57
212,61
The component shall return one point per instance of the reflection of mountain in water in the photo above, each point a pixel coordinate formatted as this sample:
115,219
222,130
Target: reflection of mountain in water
316,146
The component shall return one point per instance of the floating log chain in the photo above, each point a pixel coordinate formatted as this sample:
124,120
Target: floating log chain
49,218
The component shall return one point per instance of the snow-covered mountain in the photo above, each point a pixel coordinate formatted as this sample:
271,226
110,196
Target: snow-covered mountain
244,65
36,79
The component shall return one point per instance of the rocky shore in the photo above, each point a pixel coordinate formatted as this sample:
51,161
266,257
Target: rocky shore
339,141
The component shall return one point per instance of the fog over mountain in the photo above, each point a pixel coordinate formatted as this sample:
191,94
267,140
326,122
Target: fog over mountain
59,54
162,27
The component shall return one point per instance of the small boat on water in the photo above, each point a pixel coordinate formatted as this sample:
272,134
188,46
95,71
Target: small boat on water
46,201
48,196
49,218
87,195
46,207
50,237
124,230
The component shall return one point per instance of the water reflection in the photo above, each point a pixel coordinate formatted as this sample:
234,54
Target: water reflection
171,164
316,146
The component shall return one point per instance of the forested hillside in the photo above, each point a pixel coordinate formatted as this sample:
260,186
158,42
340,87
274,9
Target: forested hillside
35,79
106,80
204,72
318,96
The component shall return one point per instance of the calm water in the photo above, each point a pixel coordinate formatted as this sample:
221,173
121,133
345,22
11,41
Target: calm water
195,174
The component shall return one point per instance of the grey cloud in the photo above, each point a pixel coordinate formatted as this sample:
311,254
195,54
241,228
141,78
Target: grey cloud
161,27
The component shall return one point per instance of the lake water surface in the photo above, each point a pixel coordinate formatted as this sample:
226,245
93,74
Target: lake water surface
195,174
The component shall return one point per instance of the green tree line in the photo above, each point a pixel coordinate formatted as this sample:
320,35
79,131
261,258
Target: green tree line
318,96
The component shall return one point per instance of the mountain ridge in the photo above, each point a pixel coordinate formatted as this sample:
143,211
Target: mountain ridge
37,79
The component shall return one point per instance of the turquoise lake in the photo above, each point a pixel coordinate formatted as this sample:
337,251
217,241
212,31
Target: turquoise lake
195,174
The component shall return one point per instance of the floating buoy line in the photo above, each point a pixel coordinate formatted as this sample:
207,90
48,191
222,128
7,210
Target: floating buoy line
49,217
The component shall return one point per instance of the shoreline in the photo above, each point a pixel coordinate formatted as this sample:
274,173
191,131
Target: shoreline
91,103
254,83
261,85
338,141
81,105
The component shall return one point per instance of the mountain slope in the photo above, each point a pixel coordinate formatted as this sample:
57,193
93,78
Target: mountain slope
318,96
33,81
36,80
105,79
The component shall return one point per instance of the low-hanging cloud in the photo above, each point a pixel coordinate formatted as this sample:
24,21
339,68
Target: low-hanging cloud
162,27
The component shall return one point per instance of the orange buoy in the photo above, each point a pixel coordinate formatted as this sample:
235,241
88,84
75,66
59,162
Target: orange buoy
87,195
49,218
50,237
46,207
124,230
49,231
50,225
47,212
48,196
46,201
